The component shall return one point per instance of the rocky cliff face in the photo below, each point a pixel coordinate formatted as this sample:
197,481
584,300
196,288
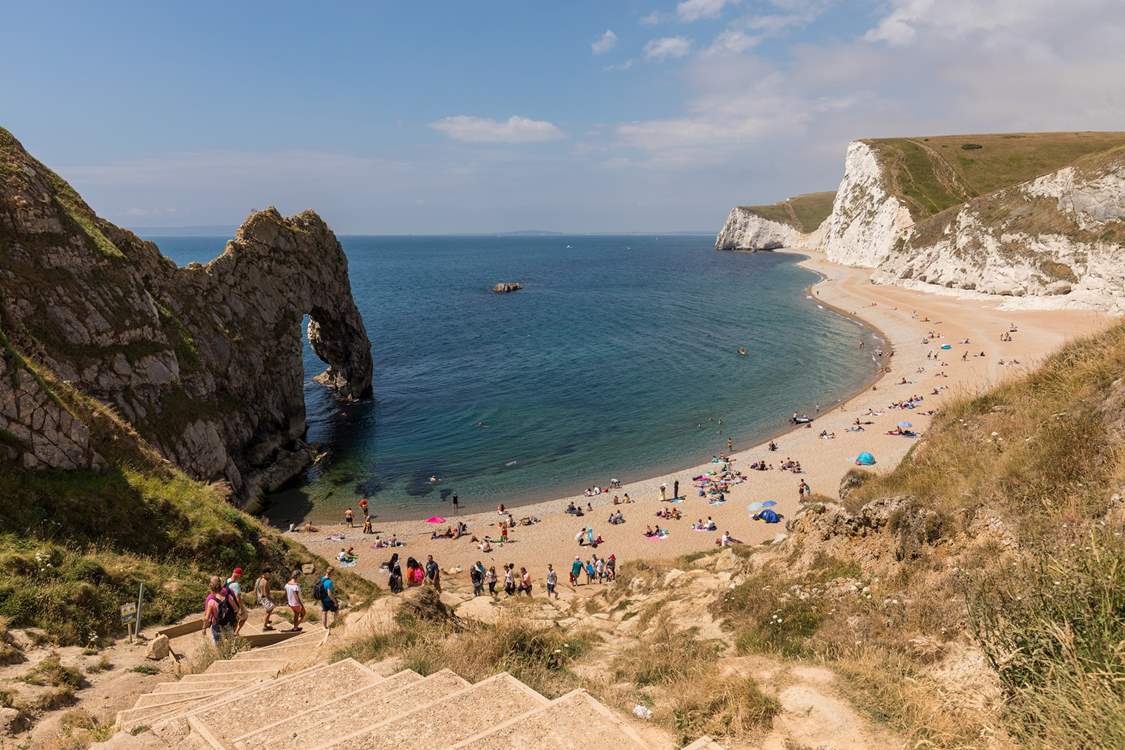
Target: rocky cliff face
745,230
866,220
204,361
1061,235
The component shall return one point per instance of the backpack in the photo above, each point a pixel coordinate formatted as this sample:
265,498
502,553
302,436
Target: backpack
319,591
226,616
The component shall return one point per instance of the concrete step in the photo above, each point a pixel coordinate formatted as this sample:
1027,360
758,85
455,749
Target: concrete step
156,699
151,715
248,674
174,728
247,665
448,720
280,651
574,720
704,743
369,705
309,636
166,688
256,707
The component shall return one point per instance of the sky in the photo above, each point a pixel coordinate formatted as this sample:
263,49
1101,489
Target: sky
505,115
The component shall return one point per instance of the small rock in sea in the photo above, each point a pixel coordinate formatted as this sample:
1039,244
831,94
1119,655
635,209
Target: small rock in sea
507,286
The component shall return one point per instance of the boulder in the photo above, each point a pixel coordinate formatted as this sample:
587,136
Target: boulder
504,287
158,648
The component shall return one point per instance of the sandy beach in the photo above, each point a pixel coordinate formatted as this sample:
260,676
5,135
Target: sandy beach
905,317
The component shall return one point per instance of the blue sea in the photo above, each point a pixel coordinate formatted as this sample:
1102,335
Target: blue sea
617,359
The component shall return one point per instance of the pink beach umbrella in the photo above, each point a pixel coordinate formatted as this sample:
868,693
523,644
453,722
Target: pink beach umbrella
435,519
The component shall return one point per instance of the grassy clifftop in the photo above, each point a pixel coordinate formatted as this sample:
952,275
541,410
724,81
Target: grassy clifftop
74,545
803,212
933,173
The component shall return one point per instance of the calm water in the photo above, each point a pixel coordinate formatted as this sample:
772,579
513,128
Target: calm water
617,359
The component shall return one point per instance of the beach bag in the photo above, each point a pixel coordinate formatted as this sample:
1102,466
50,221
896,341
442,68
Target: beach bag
318,590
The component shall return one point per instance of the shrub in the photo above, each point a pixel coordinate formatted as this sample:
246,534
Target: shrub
51,673
971,146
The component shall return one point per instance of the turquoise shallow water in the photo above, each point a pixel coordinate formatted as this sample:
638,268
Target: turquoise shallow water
617,359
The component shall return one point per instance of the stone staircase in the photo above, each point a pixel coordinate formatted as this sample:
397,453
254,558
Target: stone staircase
256,701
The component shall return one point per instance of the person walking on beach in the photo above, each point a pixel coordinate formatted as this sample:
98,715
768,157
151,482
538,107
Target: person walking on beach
663,491
676,490
476,576
491,578
456,504
262,594
590,572
552,581
293,598
575,571
363,507
433,573
325,590
803,490
349,517
395,580
525,582
509,579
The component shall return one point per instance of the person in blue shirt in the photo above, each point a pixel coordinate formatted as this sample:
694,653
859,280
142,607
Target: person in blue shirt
575,571
328,602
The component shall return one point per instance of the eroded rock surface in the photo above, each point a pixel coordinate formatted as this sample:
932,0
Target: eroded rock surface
205,361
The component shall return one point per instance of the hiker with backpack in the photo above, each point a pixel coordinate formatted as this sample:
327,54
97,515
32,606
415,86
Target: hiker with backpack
293,598
218,610
325,591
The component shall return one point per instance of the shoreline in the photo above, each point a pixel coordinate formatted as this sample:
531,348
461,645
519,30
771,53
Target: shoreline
274,513
888,311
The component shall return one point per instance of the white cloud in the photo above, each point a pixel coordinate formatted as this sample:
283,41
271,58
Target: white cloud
653,18
667,47
604,43
732,42
959,18
924,67
621,66
694,10
486,130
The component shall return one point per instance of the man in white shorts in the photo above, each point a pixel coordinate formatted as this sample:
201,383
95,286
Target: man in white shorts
262,594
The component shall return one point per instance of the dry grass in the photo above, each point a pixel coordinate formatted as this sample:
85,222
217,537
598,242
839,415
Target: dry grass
676,672
428,637
890,689
1043,458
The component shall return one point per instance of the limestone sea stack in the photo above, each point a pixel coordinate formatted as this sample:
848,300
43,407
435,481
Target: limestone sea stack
505,287
204,361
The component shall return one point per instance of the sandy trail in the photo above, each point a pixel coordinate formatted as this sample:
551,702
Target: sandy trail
901,315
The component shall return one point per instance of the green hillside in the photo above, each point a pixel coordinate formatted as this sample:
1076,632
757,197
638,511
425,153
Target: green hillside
933,173
804,212
74,545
